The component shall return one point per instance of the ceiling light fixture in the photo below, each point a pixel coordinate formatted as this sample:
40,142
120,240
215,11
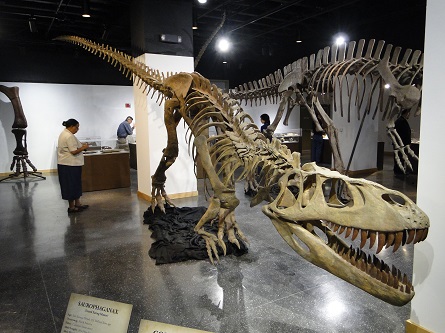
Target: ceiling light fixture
223,44
202,1
86,8
340,39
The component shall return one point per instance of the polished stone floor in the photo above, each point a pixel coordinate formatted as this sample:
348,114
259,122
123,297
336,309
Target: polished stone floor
45,255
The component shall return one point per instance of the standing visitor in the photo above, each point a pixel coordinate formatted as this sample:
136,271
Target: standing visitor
69,165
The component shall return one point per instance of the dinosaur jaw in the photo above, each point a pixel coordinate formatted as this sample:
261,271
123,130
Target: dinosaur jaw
352,265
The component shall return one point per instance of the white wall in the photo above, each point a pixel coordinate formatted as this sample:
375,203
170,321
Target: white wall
152,135
99,110
428,306
271,109
365,154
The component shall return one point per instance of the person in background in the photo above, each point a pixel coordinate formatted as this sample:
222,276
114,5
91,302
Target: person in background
404,130
125,129
317,145
265,121
69,165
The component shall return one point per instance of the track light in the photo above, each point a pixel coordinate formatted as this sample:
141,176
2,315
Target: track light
32,24
195,22
298,39
86,8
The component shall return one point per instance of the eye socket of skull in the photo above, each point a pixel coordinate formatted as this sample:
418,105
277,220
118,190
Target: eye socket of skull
336,192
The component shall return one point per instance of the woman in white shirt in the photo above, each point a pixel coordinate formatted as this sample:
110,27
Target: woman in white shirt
69,165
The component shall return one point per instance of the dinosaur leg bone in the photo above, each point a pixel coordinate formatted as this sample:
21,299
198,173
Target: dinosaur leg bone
171,120
222,205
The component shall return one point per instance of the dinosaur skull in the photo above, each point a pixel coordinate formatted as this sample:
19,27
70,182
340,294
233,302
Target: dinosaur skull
313,226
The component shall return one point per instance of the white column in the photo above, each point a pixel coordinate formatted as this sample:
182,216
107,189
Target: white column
428,305
152,136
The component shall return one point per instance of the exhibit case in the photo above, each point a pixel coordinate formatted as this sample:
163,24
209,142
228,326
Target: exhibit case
97,143
291,138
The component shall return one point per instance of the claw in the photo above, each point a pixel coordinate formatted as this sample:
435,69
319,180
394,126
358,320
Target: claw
223,246
232,238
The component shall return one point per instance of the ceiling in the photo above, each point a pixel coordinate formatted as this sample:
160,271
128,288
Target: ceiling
263,32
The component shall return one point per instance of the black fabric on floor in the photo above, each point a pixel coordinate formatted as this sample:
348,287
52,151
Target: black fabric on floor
175,238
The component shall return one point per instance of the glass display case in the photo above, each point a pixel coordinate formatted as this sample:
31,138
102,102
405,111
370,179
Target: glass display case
291,136
96,143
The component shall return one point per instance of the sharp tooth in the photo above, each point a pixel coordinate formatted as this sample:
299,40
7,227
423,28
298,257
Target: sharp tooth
411,235
384,278
336,226
348,232
396,282
390,239
425,233
372,237
382,241
407,290
401,288
352,261
394,270
376,262
419,235
342,228
379,275
405,279
399,274
405,235
398,240
364,235
369,268
355,233
373,272
390,280
341,251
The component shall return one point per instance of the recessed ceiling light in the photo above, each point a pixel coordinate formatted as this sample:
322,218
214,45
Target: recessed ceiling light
223,44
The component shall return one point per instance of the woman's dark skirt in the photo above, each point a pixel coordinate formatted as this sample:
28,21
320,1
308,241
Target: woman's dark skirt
70,179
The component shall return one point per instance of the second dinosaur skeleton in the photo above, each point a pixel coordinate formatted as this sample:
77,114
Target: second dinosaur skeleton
306,212
363,76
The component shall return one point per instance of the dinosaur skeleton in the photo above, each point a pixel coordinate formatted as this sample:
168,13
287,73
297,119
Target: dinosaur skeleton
20,159
306,212
345,68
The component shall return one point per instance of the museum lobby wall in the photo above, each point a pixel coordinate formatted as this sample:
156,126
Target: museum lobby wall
98,108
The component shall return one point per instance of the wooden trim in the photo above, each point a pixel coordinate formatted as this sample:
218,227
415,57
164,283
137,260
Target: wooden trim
147,197
415,328
5,174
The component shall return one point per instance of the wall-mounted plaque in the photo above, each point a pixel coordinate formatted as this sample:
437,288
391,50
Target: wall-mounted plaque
86,314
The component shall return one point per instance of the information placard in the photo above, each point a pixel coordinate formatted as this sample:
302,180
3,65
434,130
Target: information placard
86,314
148,326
